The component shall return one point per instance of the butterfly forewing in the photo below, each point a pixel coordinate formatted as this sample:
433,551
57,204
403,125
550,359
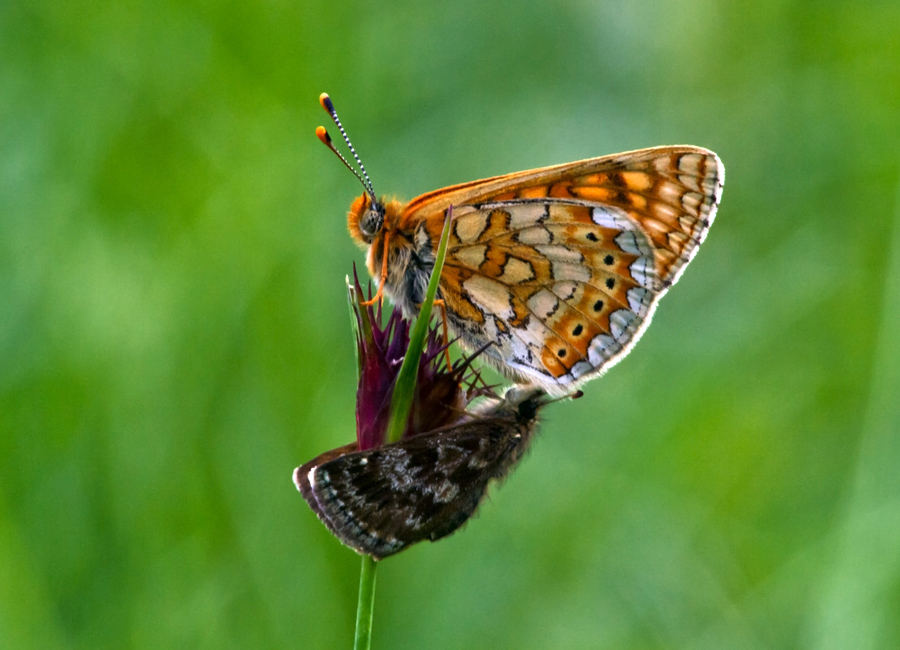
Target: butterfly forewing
562,267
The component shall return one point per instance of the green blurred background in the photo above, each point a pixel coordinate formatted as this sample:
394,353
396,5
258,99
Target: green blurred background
174,337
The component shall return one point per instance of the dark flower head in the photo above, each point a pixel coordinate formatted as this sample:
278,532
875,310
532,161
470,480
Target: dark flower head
441,392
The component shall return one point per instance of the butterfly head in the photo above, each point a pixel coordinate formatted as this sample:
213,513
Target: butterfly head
366,219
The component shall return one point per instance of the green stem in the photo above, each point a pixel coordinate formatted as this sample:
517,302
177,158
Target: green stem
405,388
363,639
401,403
404,392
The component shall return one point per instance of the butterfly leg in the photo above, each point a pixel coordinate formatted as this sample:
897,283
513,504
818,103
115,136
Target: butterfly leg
379,295
439,302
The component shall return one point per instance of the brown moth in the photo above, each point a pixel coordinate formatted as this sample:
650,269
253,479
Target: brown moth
381,501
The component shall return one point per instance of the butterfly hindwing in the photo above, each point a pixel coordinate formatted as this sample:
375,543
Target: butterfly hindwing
563,270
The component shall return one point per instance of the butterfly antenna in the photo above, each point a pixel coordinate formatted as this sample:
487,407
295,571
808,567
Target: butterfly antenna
322,134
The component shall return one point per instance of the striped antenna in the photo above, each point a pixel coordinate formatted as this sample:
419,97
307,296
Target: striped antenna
323,136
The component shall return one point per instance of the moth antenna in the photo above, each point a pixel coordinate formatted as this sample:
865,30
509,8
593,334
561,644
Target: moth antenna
326,103
573,395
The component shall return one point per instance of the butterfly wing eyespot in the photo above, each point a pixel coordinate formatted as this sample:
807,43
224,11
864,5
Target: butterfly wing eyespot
563,267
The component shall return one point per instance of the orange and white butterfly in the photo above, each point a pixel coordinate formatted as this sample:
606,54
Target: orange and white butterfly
560,268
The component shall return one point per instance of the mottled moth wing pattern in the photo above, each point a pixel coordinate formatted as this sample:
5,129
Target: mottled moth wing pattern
425,487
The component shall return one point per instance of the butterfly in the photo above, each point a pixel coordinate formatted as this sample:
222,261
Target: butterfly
560,268
381,501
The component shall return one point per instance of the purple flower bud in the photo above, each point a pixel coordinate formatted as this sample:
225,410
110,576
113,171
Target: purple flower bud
442,392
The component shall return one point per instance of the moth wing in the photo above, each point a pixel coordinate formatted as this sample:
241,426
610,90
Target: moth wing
380,501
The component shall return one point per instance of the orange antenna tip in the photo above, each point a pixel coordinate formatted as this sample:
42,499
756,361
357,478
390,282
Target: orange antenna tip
322,134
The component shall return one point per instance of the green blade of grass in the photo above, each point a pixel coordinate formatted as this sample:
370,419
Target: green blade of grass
404,390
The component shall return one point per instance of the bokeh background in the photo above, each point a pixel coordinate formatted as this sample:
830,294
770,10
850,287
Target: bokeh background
174,336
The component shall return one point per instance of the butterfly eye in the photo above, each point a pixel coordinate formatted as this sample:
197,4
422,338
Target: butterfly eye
371,221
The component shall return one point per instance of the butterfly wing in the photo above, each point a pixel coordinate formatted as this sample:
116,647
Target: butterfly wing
562,268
